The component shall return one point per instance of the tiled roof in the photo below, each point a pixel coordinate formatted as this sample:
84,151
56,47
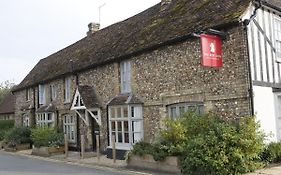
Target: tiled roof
49,108
8,104
273,3
145,31
89,97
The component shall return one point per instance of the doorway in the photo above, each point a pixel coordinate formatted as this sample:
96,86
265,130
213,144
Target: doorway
95,130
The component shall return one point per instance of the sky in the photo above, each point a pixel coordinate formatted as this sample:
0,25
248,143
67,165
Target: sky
34,29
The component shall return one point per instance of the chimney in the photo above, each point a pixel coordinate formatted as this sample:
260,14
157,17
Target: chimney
93,27
165,4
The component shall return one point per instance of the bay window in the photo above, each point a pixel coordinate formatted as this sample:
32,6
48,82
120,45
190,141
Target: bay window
126,124
45,119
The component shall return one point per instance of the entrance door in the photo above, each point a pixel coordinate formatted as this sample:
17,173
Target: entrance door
95,130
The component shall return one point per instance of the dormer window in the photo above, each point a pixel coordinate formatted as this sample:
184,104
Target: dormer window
67,83
42,95
53,92
125,76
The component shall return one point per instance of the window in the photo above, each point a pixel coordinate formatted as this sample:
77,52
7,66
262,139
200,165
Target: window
53,92
27,94
42,95
67,82
25,120
126,123
125,73
45,119
277,31
176,110
69,128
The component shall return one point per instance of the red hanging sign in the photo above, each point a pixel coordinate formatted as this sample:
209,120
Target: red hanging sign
211,50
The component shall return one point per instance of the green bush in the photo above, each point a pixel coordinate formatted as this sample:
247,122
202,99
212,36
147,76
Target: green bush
209,145
43,136
18,135
272,153
215,146
5,125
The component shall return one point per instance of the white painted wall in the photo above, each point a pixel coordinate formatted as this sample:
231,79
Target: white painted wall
264,106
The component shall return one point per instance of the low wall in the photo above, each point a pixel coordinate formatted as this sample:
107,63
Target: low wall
47,151
169,165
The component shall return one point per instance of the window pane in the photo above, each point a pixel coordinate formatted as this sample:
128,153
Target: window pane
113,126
173,112
136,137
112,112
182,109
132,112
119,126
50,116
136,126
126,137
125,112
120,138
119,112
126,126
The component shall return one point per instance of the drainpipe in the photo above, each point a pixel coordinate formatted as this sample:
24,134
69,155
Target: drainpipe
246,22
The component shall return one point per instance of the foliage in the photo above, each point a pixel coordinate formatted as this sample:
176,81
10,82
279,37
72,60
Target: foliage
43,136
209,145
5,88
272,153
18,135
215,146
5,125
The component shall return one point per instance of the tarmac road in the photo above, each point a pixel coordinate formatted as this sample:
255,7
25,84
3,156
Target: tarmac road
21,165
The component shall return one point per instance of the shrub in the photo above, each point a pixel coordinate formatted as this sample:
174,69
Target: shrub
215,146
18,135
5,125
272,153
43,136
208,144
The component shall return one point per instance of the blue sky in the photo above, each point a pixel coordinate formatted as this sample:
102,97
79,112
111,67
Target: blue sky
33,29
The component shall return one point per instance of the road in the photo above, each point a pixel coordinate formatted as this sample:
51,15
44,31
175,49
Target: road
21,165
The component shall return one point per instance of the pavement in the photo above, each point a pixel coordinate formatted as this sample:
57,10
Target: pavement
121,165
102,163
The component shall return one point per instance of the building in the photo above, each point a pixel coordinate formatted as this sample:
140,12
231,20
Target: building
7,107
125,79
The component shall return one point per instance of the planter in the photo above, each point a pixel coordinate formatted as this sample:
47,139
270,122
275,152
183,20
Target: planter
47,151
2,145
169,165
17,147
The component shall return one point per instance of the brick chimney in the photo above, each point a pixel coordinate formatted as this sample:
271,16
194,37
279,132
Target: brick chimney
165,4
93,27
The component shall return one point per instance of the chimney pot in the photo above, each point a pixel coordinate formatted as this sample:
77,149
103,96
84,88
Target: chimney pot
93,27
165,4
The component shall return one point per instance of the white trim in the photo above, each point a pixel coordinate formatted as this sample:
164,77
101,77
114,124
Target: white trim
98,117
85,119
78,98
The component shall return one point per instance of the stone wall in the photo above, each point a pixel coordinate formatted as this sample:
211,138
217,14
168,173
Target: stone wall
169,75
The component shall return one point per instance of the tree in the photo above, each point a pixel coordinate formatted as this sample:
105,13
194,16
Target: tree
5,88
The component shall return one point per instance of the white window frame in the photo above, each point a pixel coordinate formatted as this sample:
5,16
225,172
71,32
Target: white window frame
277,36
125,76
130,119
43,121
69,127
25,120
185,106
53,93
67,87
42,94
